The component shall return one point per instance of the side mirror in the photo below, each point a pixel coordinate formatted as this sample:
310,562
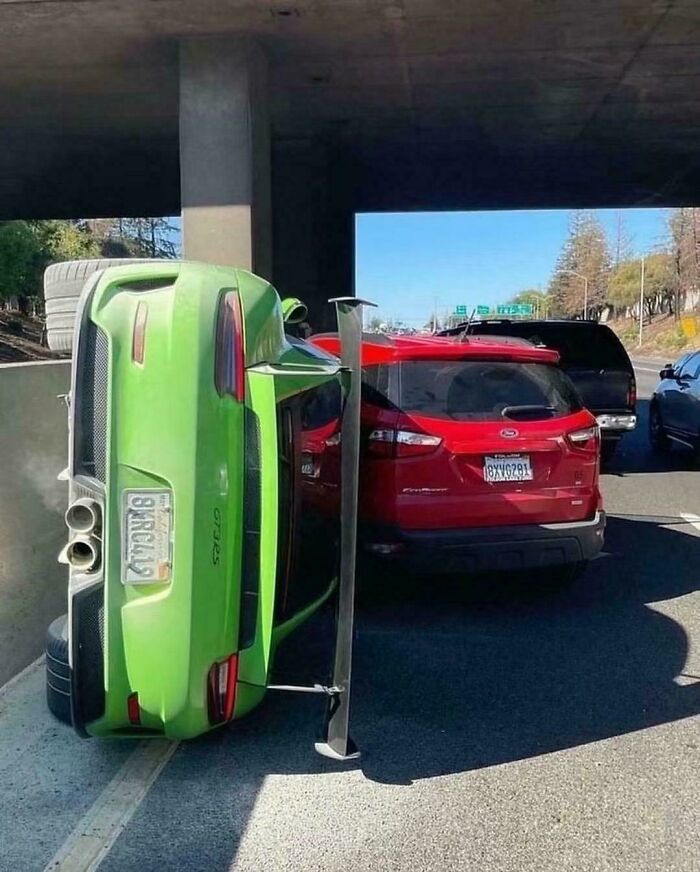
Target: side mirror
667,372
294,311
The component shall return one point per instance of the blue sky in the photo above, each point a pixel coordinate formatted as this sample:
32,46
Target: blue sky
405,260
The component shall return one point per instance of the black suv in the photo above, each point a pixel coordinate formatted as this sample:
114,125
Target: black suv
593,358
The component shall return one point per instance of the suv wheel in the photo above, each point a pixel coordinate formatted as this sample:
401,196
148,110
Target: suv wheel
657,435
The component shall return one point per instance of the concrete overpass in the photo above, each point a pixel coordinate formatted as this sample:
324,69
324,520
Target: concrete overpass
270,122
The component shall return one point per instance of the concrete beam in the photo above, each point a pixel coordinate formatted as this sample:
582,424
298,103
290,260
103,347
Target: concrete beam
314,220
225,154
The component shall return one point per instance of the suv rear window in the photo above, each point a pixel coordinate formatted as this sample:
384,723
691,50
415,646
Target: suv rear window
580,346
480,390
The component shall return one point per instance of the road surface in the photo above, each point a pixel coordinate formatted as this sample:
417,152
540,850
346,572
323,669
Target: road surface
501,730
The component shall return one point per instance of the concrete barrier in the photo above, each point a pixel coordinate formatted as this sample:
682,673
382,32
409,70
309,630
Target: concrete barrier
33,450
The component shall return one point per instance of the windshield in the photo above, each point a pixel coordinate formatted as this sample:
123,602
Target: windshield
486,390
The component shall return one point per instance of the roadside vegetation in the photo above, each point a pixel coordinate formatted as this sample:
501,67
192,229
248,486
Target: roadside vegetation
28,247
615,282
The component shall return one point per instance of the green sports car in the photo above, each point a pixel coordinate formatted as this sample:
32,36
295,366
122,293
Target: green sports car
193,547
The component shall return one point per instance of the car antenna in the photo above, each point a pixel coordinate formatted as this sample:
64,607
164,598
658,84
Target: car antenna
463,335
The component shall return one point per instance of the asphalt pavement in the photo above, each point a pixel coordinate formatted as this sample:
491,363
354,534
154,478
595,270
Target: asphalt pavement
502,728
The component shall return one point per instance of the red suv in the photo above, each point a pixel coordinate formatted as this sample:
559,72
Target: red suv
478,455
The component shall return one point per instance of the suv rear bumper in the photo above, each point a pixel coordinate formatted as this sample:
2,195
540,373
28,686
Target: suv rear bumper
614,425
489,549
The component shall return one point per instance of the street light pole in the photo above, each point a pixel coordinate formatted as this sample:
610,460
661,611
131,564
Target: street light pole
641,302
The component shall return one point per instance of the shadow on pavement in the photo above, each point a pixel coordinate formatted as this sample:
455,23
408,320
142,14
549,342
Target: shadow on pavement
449,677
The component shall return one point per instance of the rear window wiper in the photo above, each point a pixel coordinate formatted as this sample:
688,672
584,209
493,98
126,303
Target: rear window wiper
532,411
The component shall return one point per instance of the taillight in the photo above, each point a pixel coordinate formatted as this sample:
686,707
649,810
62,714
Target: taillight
133,709
229,363
138,337
401,443
585,438
221,690
632,393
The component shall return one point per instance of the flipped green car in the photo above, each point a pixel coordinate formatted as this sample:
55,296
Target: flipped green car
193,547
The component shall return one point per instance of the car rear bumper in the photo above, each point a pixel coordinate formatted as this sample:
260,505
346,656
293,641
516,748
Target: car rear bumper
489,549
613,425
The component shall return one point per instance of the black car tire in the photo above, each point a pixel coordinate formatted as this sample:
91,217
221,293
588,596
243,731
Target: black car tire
63,287
660,443
58,684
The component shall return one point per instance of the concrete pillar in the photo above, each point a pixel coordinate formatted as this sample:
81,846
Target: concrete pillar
225,154
313,223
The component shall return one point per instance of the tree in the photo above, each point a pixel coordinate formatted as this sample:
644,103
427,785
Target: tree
21,260
135,237
625,283
684,232
585,253
66,240
622,247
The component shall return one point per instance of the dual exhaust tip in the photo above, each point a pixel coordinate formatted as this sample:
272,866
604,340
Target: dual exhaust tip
84,520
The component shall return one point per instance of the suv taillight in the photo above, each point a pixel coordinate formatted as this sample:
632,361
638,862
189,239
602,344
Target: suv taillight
221,690
585,438
401,443
632,393
229,366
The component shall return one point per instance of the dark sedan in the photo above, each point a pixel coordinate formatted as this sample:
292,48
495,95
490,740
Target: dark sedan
674,413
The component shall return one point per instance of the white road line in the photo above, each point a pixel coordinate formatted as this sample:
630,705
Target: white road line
97,831
692,519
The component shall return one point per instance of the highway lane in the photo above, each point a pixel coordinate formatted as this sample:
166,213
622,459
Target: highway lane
502,729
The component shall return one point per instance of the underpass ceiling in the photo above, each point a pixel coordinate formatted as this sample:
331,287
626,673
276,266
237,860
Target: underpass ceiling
438,103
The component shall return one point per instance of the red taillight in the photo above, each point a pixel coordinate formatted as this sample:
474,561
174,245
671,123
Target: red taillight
586,438
401,443
221,690
632,393
133,709
230,348
138,337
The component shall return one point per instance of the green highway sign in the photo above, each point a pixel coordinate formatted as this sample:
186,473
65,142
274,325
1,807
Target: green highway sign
515,309
460,310
483,310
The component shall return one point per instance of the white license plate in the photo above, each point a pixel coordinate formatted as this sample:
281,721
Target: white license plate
147,528
507,467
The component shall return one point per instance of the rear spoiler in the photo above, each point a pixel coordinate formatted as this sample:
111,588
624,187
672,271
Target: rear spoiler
336,742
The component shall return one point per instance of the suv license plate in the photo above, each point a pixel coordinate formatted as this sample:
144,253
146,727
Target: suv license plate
507,467
146,536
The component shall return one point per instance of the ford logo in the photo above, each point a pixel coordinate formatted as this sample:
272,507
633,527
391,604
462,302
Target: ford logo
509,433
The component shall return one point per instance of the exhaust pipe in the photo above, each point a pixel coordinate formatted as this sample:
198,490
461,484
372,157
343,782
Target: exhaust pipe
83,553
83,516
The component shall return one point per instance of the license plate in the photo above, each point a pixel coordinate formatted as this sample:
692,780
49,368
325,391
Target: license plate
146,536
507,467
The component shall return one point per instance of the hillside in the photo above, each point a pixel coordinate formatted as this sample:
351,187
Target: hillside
664,337
20,339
